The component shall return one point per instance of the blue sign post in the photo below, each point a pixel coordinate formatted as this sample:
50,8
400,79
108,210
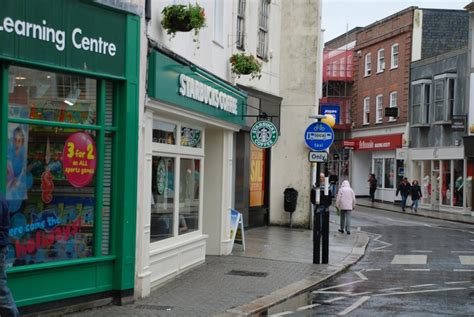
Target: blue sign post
331,108
319,136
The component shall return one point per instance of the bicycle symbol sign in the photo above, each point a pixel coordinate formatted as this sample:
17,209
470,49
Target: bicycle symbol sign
319,136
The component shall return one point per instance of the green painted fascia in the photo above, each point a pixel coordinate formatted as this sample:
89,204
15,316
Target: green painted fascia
125,182
3,125
163,85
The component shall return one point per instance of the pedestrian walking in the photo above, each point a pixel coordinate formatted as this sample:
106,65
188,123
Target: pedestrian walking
415,195
372,186
346,202
7,303
333,179
404,189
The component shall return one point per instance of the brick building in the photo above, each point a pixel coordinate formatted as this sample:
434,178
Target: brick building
383,54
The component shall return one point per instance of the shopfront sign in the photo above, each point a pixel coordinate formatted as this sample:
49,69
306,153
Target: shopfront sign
391,112
188,87
79,159
458,123
319,136
73,35
264,134
378,143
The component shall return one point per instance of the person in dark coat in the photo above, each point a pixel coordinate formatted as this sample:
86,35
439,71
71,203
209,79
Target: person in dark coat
404,189
7,303
415,195
372,186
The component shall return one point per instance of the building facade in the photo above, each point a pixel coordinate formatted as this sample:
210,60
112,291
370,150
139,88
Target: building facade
68,118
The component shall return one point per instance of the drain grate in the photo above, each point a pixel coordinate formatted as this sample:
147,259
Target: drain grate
155,307
247,273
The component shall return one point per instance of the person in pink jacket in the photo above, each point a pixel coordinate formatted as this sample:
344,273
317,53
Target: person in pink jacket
346,202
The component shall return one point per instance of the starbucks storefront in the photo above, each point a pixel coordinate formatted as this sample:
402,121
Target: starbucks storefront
187,168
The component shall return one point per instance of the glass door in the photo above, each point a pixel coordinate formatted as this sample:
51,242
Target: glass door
435,183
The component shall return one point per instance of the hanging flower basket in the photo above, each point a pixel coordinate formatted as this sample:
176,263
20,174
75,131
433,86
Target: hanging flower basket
181,18
243,64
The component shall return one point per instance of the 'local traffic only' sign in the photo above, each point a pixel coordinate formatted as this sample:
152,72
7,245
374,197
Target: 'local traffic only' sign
317,157
319,136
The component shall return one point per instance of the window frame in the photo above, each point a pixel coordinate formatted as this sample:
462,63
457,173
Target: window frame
393,104
368,64
240,29
366,114
262,31
425,102
218,36
379,109
448,103
178,152
380,60
394,56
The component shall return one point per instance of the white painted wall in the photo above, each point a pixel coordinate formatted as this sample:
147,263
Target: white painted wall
417,35
361,167
299,46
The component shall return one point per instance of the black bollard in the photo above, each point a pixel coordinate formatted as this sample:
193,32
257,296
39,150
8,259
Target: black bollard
325,236
316,236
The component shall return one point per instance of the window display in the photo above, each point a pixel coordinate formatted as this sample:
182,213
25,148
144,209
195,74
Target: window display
191,137
189,195
378,171
426,183
162,202
458,185
446,189
389,173
468,183
164,132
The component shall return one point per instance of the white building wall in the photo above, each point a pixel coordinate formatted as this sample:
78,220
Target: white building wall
299,46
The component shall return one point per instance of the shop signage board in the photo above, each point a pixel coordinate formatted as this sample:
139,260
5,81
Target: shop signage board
317,157
237,228
67,34
332,109
319,136
391,112
191,88
377,142
458,123
264,134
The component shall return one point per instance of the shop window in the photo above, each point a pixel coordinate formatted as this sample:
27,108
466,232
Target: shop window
219,21
468,183
416,105
52,185
366,110
189,195
191,137
439,100
51,198
379,109
446,184
389,173
257,176
458,183
394,57
426,182
368,64
162,202
378,171
400,171
49,96
164,132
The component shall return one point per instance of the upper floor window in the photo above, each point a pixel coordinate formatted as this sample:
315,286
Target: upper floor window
366,119
394,57
240,24
379,108
444,97
368,64
262,47
421,100
219,22
393,103
380,61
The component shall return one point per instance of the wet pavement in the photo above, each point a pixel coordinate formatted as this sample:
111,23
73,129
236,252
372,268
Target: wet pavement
413,267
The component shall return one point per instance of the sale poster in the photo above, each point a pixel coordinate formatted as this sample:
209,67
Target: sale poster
79,159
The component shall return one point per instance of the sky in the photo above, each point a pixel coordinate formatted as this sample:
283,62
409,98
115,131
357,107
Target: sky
341,15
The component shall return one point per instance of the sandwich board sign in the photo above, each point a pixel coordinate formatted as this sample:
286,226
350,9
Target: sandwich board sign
237,228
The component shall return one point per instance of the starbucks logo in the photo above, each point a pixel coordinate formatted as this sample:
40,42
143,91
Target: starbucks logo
264,134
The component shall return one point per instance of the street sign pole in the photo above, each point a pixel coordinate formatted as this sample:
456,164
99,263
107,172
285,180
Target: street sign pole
319,137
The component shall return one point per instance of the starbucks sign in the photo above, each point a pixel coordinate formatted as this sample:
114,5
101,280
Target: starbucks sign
264,134
161,177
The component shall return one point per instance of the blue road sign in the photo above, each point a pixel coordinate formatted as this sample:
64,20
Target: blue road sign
331,108
319,136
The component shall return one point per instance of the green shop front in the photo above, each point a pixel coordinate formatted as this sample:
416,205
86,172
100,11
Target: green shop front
187,162
68,155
